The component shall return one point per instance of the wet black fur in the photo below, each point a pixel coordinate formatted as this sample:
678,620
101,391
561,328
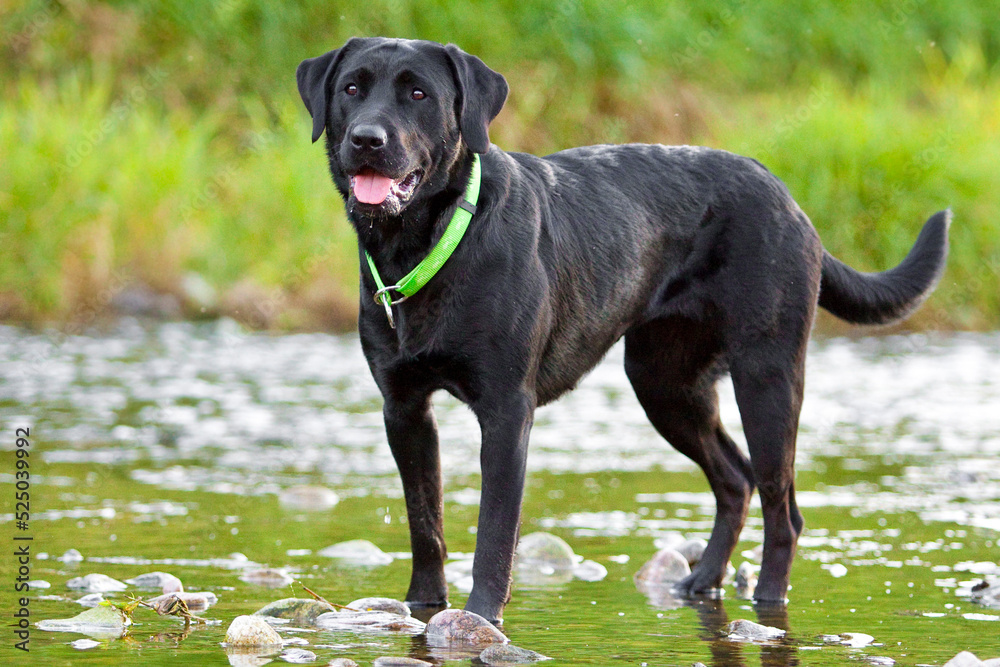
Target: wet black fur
698,257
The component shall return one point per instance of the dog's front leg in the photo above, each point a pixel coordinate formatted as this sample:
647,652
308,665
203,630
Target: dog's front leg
505,425
412,434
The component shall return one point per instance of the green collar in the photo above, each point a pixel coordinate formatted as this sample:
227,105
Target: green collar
421,274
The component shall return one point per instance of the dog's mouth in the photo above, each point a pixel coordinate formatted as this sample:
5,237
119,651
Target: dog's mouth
372,188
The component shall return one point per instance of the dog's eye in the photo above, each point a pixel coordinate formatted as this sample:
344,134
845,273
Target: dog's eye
351,89
418,94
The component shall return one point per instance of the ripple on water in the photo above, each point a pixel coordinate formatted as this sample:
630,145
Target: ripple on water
253,406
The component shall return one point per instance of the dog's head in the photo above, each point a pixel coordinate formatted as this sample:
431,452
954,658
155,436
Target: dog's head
397,115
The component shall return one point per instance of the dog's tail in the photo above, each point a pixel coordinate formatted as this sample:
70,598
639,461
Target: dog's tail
881,298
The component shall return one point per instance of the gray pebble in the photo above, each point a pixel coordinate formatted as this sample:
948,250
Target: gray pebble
251,631
742,630
508,654
380,604
692,550
667,566
96,583
298,656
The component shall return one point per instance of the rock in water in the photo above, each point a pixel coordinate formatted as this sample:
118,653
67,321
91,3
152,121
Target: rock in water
194,601
84,644
380,604
667,566
91,600
357,552
692,550
96,583
309,498
298,656
341,662
300,611
103,621
985,594
544,551
964,659
748,631
369,621
391,661
460,626
267,577
590,570
246,631
746,580
508,654
71,556
166,582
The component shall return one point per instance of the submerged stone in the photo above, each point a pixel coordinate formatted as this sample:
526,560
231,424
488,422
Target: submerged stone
268,577
91,600
666,566
964,659
166,582
195,601
544,552
590,570
369,621
380,604
746,579
458,625
103,621
855,639
393,661
300,611
84,644
986,594
71,556
298,656
341,662
39,584
508,654
357,552
96,583
246,631
308,497
742,630
692,550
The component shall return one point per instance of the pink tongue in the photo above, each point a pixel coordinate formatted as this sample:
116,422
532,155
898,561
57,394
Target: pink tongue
371,188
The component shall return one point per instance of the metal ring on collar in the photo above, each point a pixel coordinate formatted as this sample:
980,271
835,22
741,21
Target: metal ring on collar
385,290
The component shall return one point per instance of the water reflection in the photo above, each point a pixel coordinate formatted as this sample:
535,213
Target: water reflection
726,652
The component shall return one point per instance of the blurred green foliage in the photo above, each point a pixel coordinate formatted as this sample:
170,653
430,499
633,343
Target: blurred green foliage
143,141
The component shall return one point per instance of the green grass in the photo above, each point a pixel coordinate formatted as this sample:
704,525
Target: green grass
142,141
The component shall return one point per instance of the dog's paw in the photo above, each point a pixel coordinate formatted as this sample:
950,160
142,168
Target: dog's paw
700,582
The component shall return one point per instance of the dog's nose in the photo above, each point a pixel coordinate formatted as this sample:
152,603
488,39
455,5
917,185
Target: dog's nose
369,136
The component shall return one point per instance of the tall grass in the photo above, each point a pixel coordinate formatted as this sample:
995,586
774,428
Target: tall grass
141,141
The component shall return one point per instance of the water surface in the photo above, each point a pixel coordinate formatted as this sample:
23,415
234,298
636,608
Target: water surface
166,447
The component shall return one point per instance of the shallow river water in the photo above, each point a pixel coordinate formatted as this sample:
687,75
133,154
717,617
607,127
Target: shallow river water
169,447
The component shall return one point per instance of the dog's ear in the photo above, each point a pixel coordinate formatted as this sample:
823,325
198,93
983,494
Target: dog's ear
314,77
482,93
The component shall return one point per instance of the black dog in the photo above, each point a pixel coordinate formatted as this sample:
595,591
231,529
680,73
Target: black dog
699,257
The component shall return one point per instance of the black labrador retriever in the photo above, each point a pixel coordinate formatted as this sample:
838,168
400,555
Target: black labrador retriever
699,258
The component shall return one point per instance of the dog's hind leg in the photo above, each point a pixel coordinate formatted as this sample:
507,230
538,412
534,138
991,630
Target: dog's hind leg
768,377
673,365
413,440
